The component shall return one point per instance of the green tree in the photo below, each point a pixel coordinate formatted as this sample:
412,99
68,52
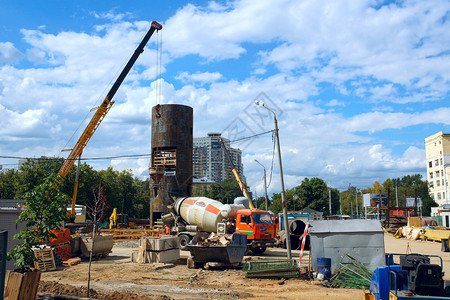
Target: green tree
275,205
9,183
34,171
141,200
44,212
119,189
224,192
312,193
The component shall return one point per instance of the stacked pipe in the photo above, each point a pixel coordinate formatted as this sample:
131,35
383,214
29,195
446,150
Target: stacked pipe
296,230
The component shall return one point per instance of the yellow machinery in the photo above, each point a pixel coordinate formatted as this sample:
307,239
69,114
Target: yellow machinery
117,221
236,175
99,115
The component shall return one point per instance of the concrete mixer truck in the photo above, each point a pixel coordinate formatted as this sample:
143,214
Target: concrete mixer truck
192,214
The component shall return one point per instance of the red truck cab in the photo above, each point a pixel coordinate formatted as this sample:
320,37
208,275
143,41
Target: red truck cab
259,227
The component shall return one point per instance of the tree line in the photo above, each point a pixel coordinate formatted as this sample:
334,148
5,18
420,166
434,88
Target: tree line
131,195
314,193
123,191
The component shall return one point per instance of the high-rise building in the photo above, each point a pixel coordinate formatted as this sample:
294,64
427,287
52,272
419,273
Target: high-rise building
437,149
210,160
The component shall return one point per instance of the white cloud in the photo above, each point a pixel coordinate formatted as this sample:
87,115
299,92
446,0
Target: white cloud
205,77
336,70
9,53
335,102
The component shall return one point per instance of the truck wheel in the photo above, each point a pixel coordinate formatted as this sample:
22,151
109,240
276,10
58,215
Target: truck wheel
184,241
258,250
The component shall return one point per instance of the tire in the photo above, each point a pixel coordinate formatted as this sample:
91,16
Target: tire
259,250
184,241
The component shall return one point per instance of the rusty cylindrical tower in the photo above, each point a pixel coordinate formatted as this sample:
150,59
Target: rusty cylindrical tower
171,163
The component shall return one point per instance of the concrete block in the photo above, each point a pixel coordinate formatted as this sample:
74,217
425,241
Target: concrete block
163,243
165,256
134,255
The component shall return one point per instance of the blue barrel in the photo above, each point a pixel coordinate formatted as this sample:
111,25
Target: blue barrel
324,267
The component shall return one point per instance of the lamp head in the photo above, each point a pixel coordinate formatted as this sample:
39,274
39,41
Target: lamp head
257,102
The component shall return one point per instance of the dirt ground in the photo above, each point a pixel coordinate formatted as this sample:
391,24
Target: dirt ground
116,277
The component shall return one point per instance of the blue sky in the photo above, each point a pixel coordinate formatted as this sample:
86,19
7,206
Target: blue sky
357,85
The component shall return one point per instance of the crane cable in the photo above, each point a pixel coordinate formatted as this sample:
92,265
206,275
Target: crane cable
158,84
158,77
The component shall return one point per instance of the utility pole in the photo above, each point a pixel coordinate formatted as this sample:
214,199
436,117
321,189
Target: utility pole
329,200
265,185
283,192
396,192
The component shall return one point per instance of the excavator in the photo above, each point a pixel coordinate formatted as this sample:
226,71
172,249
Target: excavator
117,221
98,117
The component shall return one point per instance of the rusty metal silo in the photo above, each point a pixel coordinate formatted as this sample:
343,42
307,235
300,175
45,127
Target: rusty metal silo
171,163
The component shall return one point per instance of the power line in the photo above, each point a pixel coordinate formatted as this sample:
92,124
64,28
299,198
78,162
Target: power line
128,156
87,158
252,136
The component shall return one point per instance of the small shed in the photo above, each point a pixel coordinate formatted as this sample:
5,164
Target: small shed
361,239
9,212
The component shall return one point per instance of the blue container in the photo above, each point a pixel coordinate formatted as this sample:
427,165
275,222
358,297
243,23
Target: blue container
324,267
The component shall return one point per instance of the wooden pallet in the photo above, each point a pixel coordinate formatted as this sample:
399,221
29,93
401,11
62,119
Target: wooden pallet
71,262
45,260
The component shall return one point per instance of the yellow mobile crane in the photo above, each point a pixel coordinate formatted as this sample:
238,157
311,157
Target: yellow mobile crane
100,114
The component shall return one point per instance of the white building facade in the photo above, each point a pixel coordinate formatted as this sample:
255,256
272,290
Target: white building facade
437,148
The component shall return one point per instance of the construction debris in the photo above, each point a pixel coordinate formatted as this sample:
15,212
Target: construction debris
71,262
287,268
352,274
217,250
214,239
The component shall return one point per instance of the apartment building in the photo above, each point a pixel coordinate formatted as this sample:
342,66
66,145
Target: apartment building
210,160
437,148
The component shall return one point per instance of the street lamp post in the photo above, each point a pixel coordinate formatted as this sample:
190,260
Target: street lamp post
283,193
265,185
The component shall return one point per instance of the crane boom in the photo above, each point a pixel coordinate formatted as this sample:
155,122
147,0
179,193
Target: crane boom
236,175
102,110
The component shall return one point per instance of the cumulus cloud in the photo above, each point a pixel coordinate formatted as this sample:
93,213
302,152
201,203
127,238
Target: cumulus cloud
205,77
340,75
335,102
9,53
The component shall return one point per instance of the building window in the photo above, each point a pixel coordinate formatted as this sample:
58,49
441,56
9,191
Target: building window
438,183
436,162
431,184
441,162
431,175
437,174
443,183
439,196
